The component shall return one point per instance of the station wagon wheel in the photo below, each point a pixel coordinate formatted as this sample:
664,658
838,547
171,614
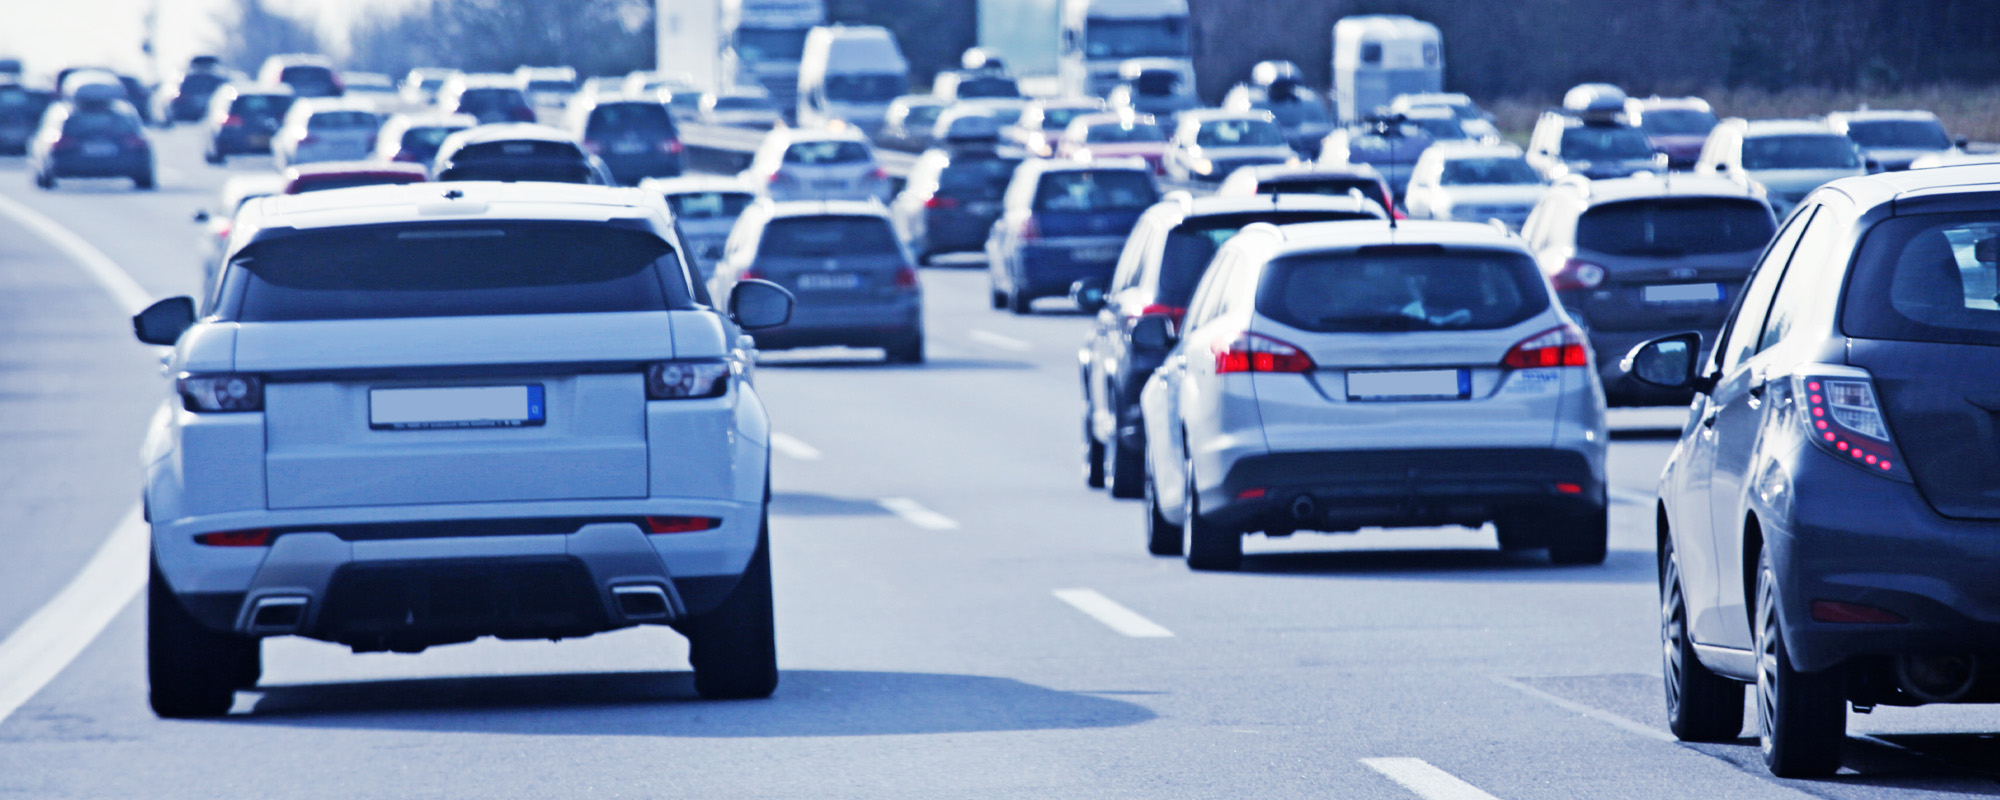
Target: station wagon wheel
1209,547
1801,717
1163,538
1093,454
1701,705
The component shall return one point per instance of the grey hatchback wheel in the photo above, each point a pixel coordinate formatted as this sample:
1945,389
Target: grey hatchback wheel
1801,717
1701,705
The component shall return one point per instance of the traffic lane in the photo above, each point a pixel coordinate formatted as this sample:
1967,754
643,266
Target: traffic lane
76,393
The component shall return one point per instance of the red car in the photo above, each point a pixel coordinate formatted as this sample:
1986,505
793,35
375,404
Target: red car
343,174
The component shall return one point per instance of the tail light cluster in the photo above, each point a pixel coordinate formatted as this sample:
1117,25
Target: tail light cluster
232,121
1843,418
254,537
1031,229
681,524
220,393
940,202
1578,274
521,114
672,147
687,380
1250,352
1555,347
906,277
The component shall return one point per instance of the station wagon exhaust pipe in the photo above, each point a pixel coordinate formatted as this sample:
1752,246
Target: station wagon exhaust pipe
1938,679
277,614
1305,509
641,601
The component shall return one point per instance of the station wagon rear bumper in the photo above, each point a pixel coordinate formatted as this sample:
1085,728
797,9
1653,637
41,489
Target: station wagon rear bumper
1351,489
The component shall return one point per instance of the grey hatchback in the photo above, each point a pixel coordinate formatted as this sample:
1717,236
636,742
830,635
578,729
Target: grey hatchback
1829,526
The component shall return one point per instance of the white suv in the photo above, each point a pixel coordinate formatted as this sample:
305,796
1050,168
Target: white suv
419,415
1332,376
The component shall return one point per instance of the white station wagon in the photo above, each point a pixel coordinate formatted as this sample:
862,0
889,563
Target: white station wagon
419,415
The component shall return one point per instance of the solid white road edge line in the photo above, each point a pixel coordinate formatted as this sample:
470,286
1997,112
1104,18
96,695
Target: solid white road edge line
42,647
1114,616
129,295
914,513
1002,342
1424,780
1605,717
793,448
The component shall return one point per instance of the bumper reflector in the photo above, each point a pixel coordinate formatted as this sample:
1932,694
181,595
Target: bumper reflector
681,524
1250,494
1569,488
1853,613
255,537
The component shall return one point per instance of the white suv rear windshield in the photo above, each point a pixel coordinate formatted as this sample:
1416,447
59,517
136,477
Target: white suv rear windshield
453,270
1402,288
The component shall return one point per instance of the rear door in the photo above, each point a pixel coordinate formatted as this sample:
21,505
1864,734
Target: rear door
1094,210
833,260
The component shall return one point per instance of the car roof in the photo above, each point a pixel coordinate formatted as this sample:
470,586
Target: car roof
1120,117
421,119
791,136
1872,190
315,105
1785,127
608,98
1266,172
1429,112
1658,103
1219,115
1210,206
1883,115
245,87
1614,190
1310,237
355,168
456,200
1462,149
823,208
1071,165
1066,102
697,183
489,80
511,132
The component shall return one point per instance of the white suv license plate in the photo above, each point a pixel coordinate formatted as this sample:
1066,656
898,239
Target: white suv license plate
1409,384
1684,293
456,407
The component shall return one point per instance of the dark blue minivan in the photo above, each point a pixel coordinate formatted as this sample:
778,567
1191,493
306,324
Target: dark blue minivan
1062,222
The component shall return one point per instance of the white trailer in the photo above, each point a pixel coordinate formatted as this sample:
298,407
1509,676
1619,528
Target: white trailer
725,43
1074,47
1379,56
689,39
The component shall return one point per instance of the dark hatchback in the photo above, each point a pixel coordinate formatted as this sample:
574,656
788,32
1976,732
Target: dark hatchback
637,140
1062,222
1829,527
91,139
242,121
20,112
949,203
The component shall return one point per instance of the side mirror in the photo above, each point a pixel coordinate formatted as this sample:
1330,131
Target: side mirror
201,216
1153,333
162,323
757,305
1668,362
1962,142
1872,165
1088,294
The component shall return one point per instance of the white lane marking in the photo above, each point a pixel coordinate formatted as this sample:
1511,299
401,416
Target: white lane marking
112,278
1632,498
42,647
1426,781
1114,616
1002,342
914,513
793,448
1605,717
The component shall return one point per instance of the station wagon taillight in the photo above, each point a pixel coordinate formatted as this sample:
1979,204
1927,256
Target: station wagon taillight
221,393
1843,418
1555,347
1249,352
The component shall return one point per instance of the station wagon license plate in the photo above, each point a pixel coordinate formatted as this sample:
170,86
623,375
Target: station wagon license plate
1409,384
456,407
824,281
1684,293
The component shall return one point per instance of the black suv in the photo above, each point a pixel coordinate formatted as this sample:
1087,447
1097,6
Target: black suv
1829,527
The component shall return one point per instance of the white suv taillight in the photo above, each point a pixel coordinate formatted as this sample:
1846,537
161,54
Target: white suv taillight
1555,347
1843,418
221,393
1249,352
686,380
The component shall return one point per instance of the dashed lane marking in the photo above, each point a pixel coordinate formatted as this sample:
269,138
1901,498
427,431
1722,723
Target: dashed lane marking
1000,341
1605,717
42,647
793,448
1114,616
1424,780
916,514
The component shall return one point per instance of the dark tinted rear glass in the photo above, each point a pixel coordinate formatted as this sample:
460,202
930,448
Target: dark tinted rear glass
1388,289
1675,227
1336,187
491,151
261,105
1803,151
990,86
306,75
1122,133
1088,190
984,178
1928,278
321,183
1192,245
426,139
341,120
200,83
865,88
831,152
1605,143
1899,133
821,237
617,118
99,123
454,270
475,101
544,170
1677,122
709,205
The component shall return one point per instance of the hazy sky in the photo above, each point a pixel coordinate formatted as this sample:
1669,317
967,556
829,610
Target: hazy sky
52,34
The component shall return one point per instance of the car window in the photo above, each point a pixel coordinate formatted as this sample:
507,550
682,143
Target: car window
922,117
475,101
1084,191
1899,133
1207,293
1928,278
1191,245
1746,325
341,120
709,205
454,269
1603,143
1240,133
828,152
865,88
617,118
981,178
1676,122
1402,288
824,236
1126,275
1122,133
1482,171
426,138
260,105
532,148
1058,118
988,86
1675,227
1805,151
1809,261
99,123
1370,188
320,183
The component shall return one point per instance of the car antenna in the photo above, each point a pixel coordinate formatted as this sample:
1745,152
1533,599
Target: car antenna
1390,128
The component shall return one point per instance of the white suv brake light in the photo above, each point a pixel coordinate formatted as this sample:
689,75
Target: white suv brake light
686,380
220,393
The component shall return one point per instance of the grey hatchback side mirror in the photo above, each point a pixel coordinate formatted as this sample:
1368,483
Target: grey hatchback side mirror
162,323
756,305
1153,333
1668,362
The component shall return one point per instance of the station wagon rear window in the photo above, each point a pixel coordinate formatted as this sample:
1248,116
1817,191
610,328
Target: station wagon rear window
1398,289
454,270
1928,278
1084,191
821,237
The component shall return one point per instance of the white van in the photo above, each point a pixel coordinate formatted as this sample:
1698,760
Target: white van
1379,56
850,74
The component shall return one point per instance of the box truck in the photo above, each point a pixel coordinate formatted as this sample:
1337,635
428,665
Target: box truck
1074,47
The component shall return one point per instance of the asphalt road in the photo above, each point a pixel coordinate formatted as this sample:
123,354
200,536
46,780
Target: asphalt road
958,615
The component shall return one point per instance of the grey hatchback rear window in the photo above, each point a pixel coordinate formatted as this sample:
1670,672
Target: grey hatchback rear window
1402,288
454,270
1928,278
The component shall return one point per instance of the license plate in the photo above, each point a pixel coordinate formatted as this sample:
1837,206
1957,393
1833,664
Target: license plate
258,141
1409,384
821,281
628,148
1684,293
981,209
100,149
456,407
829,184
1095,254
